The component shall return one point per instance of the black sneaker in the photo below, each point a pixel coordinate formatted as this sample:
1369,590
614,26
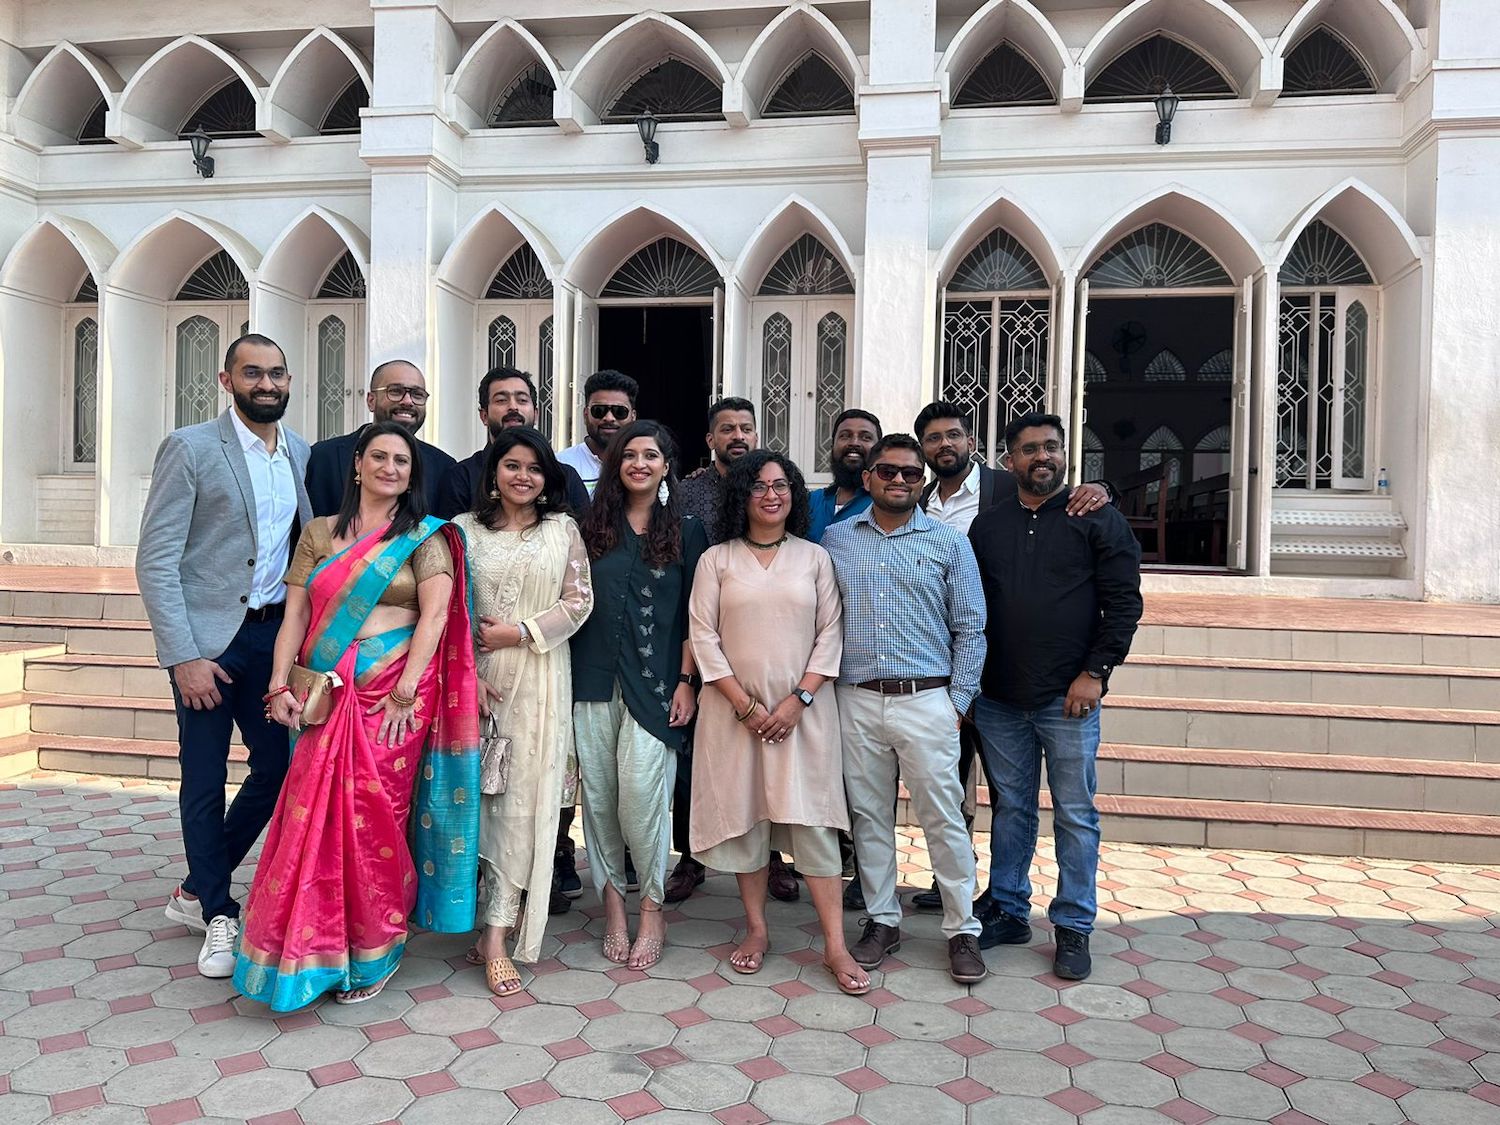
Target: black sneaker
565,871
928,900
854,895
558,903
999,928
1071,961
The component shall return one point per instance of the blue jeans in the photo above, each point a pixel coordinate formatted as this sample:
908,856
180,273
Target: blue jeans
1014,745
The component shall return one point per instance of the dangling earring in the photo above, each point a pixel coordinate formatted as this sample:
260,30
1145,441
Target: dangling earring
663,493
541,501
494,494
356,476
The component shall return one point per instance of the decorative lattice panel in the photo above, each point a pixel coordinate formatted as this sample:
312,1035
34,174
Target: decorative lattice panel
1157,257
1141,72
776,383
227,112
673,90
1324,62
1003,77
502,342
832,379
526,101
197,369
521,278
811,88
342,117
1322,256
344,281
997,264
808,268
217,279
666,268
85,390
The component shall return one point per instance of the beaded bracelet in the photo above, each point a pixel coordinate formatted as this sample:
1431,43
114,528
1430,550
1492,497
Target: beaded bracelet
284,689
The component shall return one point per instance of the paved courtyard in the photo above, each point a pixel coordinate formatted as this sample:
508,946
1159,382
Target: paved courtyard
1227,987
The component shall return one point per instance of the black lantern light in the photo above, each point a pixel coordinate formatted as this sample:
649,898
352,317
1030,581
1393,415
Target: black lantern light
1166,109
645,125
201,160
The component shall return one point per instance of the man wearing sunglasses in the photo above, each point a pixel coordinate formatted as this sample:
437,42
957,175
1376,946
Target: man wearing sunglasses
398,393
913,648
608,407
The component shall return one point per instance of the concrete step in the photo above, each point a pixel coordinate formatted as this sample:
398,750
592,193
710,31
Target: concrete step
17,755
15,714
97,716
122,757
81,635
1309,681
75,603
14,657
98,674
1348,646
1431,734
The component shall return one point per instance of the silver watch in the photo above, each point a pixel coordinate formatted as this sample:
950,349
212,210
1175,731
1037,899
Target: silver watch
804,697
525,634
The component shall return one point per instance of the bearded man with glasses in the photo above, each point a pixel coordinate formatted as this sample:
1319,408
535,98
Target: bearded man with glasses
914,645
398,393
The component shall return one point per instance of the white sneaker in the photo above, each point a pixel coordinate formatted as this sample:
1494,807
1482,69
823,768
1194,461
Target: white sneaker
185,911
216,959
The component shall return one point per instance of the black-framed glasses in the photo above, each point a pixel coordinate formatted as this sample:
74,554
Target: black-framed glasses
279,376
780,487
602,410
395,393
911,474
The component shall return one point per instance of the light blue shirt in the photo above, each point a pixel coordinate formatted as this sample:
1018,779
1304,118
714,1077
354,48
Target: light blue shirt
913,603
275,508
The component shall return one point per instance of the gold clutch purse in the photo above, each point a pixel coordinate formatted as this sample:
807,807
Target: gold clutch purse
314,690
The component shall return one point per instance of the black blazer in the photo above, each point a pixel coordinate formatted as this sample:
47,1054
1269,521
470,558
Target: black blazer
331,459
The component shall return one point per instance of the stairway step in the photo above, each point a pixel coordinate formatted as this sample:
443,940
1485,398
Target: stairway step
98,674
101,716
17,755
122,757
81,635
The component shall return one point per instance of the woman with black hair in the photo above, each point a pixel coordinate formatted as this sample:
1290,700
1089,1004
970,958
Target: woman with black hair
531,593
767,631
633,678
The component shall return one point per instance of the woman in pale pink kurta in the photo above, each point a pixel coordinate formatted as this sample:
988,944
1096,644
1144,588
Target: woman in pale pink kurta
766,630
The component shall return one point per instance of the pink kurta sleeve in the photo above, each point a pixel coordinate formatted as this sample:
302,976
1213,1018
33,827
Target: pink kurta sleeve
828,645
566,616
703,618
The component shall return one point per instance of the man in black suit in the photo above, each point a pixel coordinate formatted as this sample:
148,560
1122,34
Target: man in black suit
398,393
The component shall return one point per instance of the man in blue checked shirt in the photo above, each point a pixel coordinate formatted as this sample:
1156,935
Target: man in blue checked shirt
913,650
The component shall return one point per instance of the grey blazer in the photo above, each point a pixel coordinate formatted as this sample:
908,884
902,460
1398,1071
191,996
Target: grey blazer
198,544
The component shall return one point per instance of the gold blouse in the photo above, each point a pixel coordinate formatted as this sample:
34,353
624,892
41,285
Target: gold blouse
316,546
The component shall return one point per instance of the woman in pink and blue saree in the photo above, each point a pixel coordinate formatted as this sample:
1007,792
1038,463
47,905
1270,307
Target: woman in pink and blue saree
378,821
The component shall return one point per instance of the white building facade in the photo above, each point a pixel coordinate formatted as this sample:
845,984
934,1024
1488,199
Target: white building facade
1276,333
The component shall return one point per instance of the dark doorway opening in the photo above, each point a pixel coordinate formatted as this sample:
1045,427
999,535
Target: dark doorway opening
668,349
1158,416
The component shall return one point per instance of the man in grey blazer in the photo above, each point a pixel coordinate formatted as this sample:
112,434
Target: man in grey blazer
226,502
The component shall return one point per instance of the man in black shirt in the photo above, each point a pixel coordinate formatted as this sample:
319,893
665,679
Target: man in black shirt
398,393
1064,597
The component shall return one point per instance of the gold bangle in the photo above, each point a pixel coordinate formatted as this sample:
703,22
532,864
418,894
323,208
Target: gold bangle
754,704
399,700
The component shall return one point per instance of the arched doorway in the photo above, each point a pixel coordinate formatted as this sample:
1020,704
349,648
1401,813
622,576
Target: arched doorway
517,326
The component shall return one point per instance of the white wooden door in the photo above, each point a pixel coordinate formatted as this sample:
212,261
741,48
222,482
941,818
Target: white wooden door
196,338
801,354
336,382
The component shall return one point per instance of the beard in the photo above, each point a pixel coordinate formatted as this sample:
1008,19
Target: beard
849,477
262,412
411,426
1040,486
958,468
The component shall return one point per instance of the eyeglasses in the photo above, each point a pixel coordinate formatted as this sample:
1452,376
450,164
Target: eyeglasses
1032,448
760,488
911,474
279,376
395,393
602,410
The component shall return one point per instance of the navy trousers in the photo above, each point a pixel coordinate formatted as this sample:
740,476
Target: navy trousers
216,841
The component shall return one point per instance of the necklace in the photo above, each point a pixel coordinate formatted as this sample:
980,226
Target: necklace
765,546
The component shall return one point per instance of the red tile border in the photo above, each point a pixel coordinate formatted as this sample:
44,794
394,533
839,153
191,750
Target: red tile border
1189,1113
863,1080
151,1052
872,1035
1065,1054
565,1049
438,1082
477,1038
758,1070
532,1093
1168,1064
744,1114
659,1057
1275,1074
1075,1101
328,1075
174,1113
241,1064
1384,1084
635,1104
966,1091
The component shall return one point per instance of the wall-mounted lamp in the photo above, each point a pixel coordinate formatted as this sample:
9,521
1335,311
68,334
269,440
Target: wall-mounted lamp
1166,109
645,125
201,160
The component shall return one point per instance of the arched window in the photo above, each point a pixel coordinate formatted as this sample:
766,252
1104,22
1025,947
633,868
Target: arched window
85,390
665,268
345,281
1322,256
1142,71
1003,77
811,88
197,369
333,382
502,342
1324,62
807,268
544,378
217,279
1157,257
776,383
1093,455
998,264
526,101
88,291
1217,368
1165,367
342,118
1159,444
1211,454
92,130
227,112
520,277
1093,369
832,368
672,90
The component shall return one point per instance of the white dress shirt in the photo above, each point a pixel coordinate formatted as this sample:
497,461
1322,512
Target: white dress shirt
582,458
961,508
275,508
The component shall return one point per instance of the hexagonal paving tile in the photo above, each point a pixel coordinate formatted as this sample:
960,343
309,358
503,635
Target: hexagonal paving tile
803,1098
818,1052
600,1075
903,1105
916,1063
629,1031
1016,1072
269,1091
1123,1083
501,1066
722,1042
406,1056
68,1070
916,1020
701,1086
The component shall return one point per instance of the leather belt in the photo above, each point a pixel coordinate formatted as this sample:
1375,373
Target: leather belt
904,687
273,612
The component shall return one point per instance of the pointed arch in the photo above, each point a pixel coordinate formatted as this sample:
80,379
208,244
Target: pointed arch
1192,214
1377,29
56,257
1001,211
1210,27
781,45
1368,221
502,54
308,82
174,80
611,244
1323,63
787,222
160,258
484,244
625,52
1165,367
61,92
302,254
1017,22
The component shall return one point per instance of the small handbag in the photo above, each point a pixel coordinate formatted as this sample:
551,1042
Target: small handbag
314,690
494,759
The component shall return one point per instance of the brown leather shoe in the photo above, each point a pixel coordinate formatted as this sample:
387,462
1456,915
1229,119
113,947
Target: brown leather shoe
877,940
686,877
780,882
965,964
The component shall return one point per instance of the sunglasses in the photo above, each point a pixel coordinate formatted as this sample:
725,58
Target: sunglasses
911,474
601,410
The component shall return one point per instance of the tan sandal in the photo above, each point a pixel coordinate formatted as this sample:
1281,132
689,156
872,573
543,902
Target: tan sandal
848,982
500,971
364,992
617,947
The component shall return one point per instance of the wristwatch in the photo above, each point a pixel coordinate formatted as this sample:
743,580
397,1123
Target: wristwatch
525,634
1099,675
688,678
804,697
